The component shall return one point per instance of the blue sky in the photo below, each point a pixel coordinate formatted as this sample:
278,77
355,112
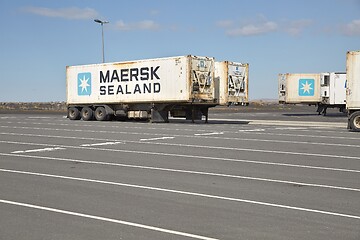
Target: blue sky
40,38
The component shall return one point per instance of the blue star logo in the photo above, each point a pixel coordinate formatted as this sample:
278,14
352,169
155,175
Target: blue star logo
306,87
84,84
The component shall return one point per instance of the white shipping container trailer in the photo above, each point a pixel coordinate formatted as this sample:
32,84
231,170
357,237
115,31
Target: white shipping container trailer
232,83
145,89
321,89
353,89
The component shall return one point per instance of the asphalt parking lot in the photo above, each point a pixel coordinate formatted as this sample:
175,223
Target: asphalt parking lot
244,175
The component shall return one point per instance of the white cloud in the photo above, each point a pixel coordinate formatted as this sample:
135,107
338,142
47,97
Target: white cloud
352,28
261,26
253,29
72,13
147,25
295,28
141,25
224,23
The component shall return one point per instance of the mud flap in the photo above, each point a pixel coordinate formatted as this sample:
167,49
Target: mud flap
193,114
159,116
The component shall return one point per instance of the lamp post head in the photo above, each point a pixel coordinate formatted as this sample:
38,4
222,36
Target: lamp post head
99,21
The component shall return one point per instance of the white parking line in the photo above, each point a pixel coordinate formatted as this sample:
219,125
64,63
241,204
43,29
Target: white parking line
101,144
294,136
290,128
194,156
207,134
144,141
254,150
154,139
39,117
104,219
309,136
252,130
7,117
202,195
188,172
287,123
39,150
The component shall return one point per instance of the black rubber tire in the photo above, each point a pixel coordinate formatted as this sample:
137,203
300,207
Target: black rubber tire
74,113
101,114
355,121
87,114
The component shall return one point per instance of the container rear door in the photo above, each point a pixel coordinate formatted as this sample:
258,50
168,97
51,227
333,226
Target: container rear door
221,82
237,82
282,87
202,79
338,93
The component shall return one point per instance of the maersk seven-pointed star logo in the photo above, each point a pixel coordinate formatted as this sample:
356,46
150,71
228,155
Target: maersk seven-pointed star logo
84,84
306,87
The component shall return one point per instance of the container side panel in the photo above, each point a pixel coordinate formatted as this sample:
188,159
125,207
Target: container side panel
303,88
353,80
155,80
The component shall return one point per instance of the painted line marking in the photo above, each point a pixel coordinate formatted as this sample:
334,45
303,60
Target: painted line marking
7,117
188,136
308,128
255,150
40,150
154,139
309,136
189,172
101,144
203,195
132,224
290,128
196,157
252,130
207,134
287,123
137,133
39,117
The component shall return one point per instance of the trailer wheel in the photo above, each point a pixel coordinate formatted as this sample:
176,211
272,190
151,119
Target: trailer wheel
74,113
87,114
100,114
355,121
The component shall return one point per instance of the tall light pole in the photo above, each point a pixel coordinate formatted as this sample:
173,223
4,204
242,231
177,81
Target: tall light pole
102,34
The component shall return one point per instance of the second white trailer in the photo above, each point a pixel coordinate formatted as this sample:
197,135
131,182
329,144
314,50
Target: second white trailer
232,80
